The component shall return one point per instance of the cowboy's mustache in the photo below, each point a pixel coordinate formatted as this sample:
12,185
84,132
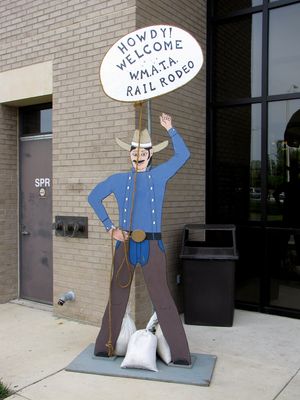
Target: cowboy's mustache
140,161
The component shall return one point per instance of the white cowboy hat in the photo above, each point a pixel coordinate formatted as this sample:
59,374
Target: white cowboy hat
145,142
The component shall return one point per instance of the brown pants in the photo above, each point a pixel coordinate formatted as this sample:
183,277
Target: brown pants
156,280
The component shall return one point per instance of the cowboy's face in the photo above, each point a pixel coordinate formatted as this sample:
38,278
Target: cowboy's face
143,158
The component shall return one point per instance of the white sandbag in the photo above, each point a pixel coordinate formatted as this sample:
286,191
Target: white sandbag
141,351
153,321
163,349
127,329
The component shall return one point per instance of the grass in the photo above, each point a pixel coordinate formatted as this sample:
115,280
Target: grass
4,391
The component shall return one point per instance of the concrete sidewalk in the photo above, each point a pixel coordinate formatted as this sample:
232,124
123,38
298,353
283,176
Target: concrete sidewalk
258,359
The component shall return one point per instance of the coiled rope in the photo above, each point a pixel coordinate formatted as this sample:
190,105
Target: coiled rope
126,240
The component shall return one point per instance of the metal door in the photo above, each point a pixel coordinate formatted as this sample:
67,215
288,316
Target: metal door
36,271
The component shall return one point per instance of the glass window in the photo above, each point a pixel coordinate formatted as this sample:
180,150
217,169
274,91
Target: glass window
284,50
238,51
30,121
238,164
284,162
35,120
250,240
241,170
46,120
224,7
284,266
255,165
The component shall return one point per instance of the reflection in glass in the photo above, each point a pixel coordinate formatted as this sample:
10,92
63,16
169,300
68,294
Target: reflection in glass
255,165
46,120
284,203
284,50
238,51
223,7
284,162
238,164
248,271
284,265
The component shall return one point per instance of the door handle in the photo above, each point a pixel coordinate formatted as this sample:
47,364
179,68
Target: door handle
25,233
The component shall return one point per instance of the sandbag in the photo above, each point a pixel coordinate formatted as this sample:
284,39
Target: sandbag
163,349
127,329
141,351
153,321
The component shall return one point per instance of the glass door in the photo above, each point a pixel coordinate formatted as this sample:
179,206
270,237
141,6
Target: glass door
283,206
253,152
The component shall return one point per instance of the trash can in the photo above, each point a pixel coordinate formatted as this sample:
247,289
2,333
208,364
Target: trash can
208,258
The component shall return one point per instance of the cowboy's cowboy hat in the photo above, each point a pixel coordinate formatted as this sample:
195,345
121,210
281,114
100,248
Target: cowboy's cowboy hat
145,142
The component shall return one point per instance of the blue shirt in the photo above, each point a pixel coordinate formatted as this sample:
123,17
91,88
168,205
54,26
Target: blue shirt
149,195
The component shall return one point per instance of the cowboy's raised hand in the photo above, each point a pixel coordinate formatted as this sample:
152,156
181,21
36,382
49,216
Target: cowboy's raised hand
166,121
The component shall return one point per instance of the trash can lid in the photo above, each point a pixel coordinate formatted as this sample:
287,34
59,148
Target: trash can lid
209,253
209,241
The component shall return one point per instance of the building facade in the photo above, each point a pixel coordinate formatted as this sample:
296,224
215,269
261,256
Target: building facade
239,117
57,141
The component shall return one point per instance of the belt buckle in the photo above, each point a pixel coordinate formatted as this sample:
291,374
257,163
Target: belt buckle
138,235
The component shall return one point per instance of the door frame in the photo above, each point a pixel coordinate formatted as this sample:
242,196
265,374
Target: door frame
19,213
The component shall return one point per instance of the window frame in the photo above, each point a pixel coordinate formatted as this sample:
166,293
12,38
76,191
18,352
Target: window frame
213,105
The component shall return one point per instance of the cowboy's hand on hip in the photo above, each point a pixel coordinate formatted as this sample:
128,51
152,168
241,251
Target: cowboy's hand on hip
118,234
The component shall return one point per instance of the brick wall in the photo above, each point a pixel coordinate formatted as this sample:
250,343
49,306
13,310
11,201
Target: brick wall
85,123
8,204
75,35
185,194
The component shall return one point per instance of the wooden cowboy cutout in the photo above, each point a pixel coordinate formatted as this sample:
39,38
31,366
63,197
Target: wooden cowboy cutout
139,237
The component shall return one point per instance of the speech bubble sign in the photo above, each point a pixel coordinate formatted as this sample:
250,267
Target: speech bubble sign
150,62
